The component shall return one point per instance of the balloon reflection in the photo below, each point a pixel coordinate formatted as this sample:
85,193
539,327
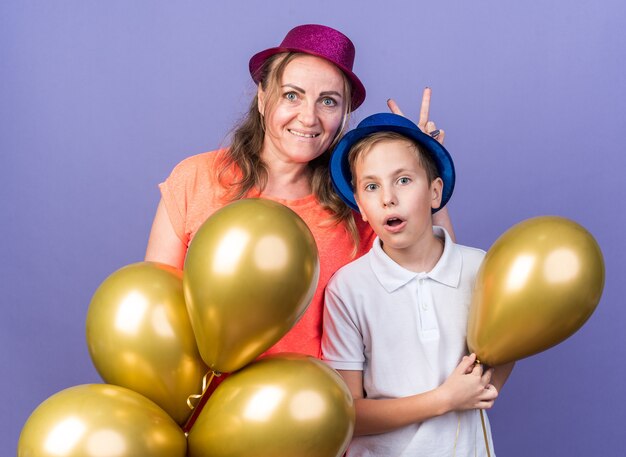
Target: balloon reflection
561,266
130,313
263,404
307,405
229,252
520,272
106,443
161,323
64,436
271,253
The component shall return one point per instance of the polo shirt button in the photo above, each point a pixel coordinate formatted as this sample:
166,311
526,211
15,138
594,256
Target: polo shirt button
424,306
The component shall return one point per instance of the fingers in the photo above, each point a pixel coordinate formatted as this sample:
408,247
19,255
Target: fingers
486,377
487,404
487,398
478,370
424,124
470,368
490,393
425,108
393,107
441,136
466,364
430,127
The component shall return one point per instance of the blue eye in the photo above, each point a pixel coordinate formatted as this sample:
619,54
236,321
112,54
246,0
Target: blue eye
291,96
370,187
328,102
404,180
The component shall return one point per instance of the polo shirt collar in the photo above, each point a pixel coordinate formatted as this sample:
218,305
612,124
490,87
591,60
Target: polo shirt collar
393,276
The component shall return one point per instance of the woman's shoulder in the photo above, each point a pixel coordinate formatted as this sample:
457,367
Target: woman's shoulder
202,161
199,169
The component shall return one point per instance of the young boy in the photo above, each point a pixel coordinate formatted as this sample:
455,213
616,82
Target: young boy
395,319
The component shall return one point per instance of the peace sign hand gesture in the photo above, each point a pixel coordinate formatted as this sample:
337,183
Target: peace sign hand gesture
424,124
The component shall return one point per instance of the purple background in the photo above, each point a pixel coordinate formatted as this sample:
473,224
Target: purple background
100,99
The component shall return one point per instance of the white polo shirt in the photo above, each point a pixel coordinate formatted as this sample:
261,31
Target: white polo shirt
407,332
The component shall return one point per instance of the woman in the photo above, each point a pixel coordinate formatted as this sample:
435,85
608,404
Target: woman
306,92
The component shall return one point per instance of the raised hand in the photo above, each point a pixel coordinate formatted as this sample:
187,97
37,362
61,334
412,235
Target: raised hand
424,123
468,387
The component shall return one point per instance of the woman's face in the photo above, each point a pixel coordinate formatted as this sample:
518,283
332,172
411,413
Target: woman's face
302,120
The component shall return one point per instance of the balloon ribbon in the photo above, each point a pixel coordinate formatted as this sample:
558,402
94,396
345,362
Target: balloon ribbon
202,400
456,438
482,421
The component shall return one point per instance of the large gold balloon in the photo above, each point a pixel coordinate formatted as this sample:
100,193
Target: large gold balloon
288,406
98,420
538,284
139,336
249,275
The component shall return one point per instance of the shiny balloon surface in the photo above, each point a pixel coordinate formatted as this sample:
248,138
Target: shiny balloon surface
287,406
139,336
250,273
98,420
538,284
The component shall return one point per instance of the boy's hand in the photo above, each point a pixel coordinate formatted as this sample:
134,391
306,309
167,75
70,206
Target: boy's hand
424,123
468,387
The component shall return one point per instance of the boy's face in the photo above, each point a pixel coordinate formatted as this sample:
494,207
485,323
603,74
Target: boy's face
394,195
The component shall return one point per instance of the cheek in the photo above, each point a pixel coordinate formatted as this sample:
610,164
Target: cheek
276,117
331,126
332,122
366,207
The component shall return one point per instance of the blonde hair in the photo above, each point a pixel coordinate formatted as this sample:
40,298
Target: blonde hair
364,145
247,143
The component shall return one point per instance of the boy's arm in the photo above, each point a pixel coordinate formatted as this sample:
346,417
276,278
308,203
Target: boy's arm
464,389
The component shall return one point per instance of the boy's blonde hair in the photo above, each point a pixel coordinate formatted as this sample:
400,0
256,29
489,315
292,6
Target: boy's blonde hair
366,144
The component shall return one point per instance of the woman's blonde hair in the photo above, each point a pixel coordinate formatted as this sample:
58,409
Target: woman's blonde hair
247,143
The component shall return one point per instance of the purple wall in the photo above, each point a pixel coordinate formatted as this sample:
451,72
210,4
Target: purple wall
99,100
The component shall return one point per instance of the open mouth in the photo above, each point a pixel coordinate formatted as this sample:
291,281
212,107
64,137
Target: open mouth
303,135
394,222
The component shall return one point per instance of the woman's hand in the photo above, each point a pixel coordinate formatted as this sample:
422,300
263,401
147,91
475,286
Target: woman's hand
425,125
441,217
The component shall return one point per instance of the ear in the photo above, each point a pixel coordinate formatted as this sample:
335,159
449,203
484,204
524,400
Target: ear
260,93
436,189
363,216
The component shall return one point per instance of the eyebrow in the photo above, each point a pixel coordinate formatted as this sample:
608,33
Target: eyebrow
302,91
399,171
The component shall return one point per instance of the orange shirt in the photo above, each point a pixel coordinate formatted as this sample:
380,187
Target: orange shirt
192,193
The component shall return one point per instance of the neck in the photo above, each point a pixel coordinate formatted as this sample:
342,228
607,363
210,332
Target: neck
286,180
421,256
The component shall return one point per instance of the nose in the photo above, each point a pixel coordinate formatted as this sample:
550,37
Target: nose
307,114
389,198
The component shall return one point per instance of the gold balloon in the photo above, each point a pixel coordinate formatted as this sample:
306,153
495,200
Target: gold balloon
538,284
288,406
97,420
249,275
139,336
